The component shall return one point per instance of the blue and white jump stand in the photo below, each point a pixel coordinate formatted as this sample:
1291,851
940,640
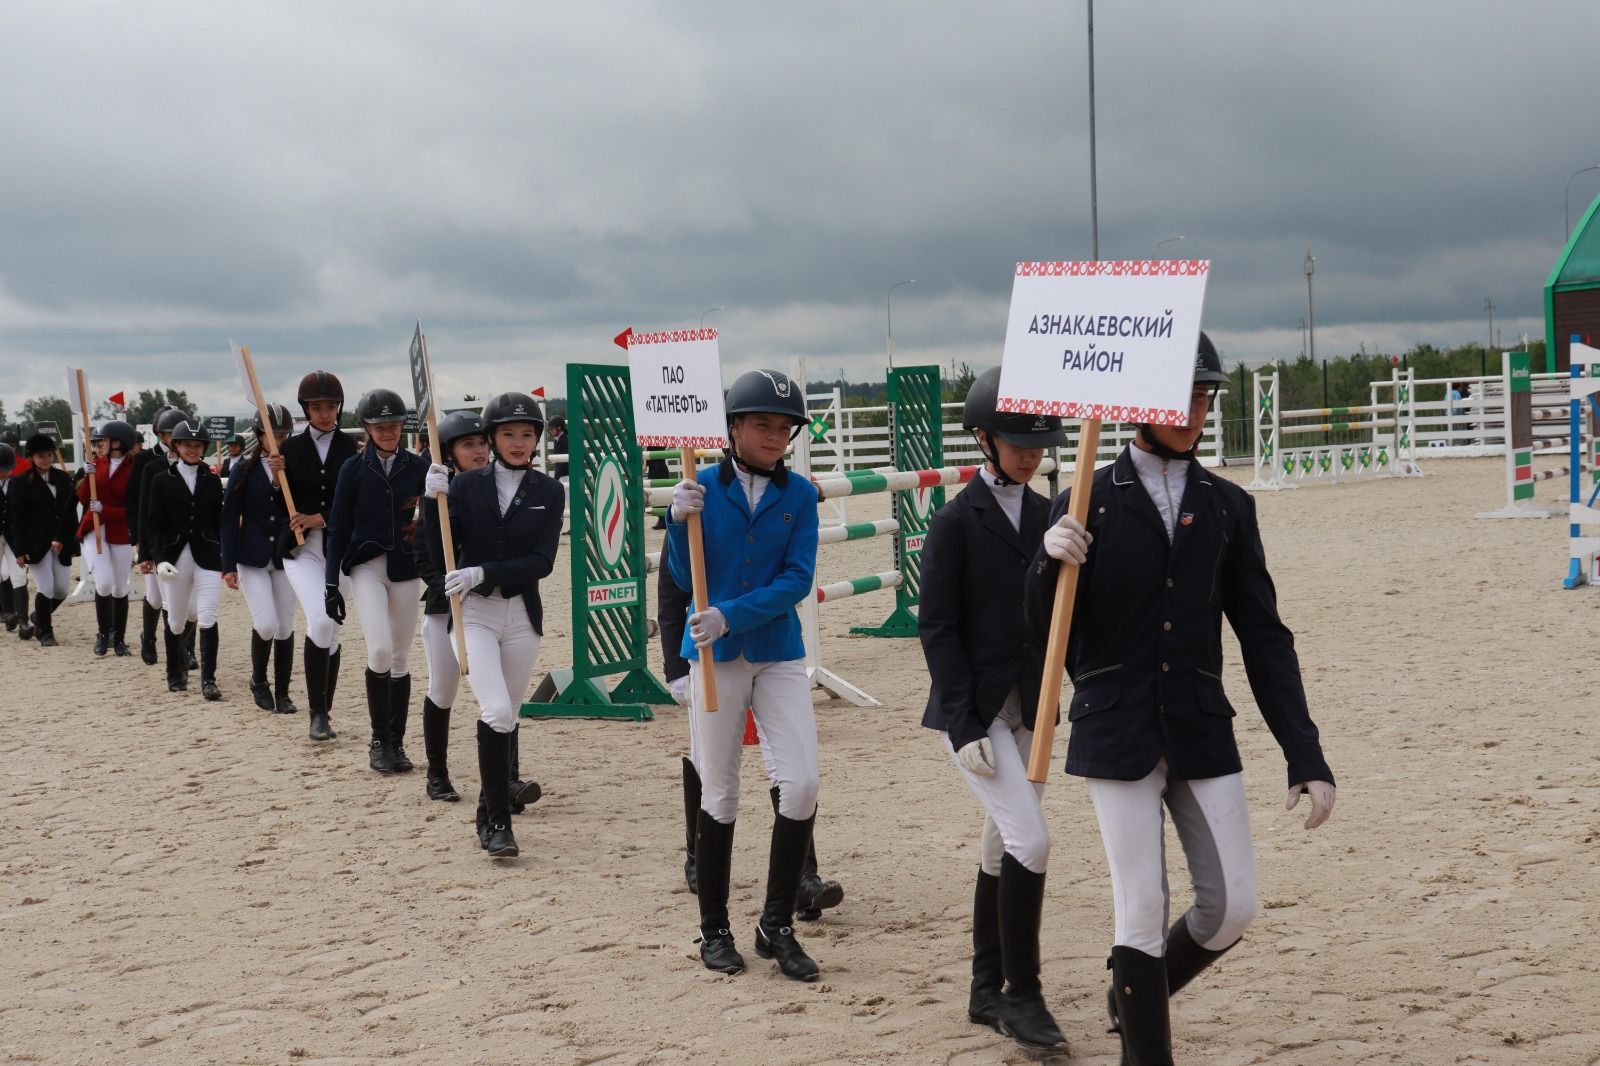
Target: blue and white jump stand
1585,385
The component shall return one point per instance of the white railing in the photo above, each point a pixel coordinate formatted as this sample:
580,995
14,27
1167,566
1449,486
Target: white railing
853,443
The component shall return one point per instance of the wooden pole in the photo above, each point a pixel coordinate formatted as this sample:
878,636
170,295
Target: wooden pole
269,440
94,496
446,535
1055,650
697,571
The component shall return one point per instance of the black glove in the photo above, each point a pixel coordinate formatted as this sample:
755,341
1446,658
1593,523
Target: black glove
333,601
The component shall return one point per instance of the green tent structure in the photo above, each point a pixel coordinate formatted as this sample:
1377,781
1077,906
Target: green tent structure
1572,293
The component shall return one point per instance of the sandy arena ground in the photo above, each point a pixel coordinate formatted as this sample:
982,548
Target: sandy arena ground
184,882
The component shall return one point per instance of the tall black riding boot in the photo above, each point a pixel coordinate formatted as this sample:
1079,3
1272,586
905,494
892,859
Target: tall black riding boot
713,855
102,623
522,792
208,663
19,603
151,617
119,626
189,660
436,743
317,662
399,712
814,895
1139,985
8,609
43,607
1021,1011
331,678
378,755
988,974
260,652
494,771
775,929
1185,960
282,673
691,816
177,676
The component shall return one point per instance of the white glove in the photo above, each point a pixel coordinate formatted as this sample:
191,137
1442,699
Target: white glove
680,690
1322,797
88,467
706,626
94,505
460,582
977,757
166,571
1067,541
688,497
437,483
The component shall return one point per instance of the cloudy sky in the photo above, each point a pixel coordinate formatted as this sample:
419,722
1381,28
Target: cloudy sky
528,179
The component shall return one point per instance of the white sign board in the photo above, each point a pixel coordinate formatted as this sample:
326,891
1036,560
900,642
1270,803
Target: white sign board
1109,339
676,377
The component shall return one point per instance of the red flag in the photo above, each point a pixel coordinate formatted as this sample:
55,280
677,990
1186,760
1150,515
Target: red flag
539,392
119,400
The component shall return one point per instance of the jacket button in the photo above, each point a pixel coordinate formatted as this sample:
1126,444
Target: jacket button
1169,582
1166,627
1165,667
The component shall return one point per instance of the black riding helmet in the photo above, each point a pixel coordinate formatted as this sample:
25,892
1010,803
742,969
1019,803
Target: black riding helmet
380,406
769,392
282,420
981,411
170,418
8,458
454,427
190,429
507,409
1207,371
39,442
119,432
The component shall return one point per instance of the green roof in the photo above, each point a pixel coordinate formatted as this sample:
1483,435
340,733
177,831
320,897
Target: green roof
1578,266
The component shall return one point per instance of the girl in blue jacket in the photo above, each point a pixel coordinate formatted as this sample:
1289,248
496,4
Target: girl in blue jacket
760,528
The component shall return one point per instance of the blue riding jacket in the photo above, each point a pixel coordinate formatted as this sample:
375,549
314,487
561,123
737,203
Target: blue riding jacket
759,563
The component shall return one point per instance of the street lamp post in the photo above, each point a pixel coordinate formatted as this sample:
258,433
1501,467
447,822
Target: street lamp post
1566,200
1302,335
1311,309
888,313
1169,240
1488,305
1094,187
706,312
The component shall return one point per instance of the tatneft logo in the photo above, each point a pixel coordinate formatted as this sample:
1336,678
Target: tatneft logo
611,515
922,502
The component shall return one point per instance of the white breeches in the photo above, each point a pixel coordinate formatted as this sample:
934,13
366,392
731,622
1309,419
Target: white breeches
387,611
53,579
780,695
10,569
438,647
113,570
307,572
153,594
192,595
1213,824
501,650
1013,806
270,598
